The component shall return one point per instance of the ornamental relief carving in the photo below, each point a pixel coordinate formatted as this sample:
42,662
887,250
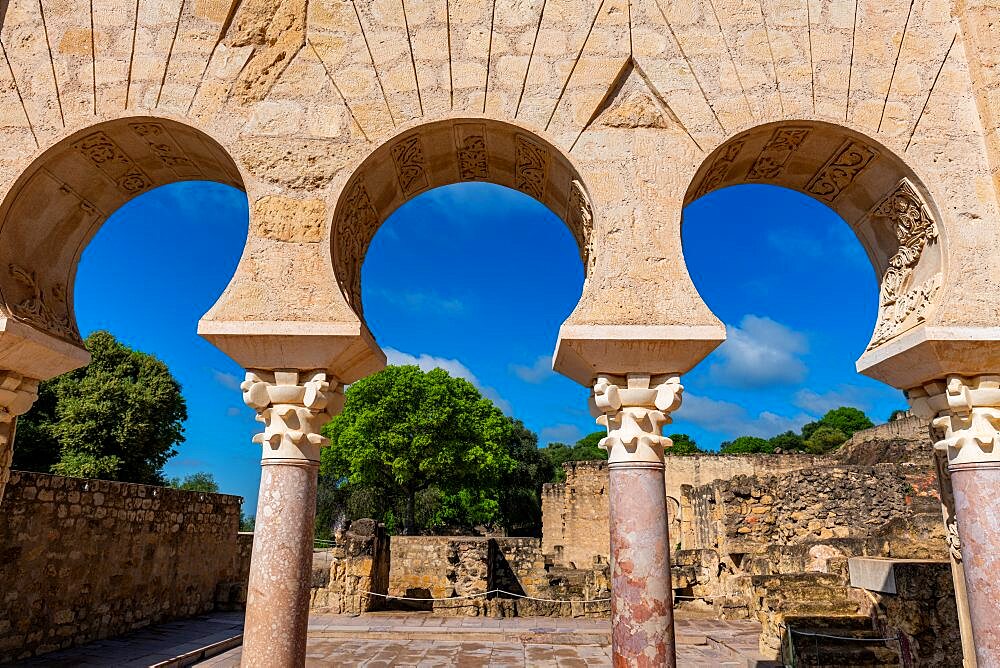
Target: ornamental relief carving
580,215
408,154
355,228
166,150
473,158
964,414
719,170
903,304
45,309
531,167
776,152
840,171
108,157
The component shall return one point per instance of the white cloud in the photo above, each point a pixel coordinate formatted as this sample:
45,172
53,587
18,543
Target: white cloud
845,395
537,372
759,353
732,420
562,433
228,380
233,411
452,366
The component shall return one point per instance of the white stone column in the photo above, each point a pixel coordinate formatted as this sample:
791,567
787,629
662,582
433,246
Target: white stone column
635,408
17,395
293,405
964,414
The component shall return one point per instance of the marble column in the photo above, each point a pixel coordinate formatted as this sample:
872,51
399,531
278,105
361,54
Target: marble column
17,395
293,405
634,408
964,413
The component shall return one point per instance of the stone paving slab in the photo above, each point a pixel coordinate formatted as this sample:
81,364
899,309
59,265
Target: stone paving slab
147,647
419,640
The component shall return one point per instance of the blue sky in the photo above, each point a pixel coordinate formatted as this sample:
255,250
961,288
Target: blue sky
477,278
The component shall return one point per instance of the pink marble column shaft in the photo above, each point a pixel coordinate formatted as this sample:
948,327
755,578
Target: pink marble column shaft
977,511
642,619
277,616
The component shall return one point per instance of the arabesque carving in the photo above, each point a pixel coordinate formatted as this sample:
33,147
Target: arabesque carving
776,152
473,157
719,170
635,408
99,149
408,154
531,167
293,405
49,313
581,218
166,149
356,225
902,305
840,171
964,414
17,395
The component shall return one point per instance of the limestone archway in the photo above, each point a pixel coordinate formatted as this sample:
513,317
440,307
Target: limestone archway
640,97
881,198
57,205
49,215
453,151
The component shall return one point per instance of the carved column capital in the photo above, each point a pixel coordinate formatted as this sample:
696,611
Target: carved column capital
293,405
17,394
634,408
964,414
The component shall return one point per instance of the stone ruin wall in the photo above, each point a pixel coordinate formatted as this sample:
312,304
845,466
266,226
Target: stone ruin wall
443,567
82,560
575,513
744,513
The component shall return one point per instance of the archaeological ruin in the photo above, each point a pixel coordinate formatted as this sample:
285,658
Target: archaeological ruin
614,114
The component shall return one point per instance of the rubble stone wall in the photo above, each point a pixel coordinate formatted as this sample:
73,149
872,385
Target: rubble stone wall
83,559
744,513
442,567
575,513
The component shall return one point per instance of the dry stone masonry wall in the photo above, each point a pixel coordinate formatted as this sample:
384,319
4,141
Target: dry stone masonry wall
88,559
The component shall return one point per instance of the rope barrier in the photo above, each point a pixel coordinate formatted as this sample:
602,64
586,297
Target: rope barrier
487,593
832,637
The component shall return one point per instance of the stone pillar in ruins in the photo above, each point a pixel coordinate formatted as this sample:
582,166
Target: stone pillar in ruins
964,414
634,408
17,394
293,405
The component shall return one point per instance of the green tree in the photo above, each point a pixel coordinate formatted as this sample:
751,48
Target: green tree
197,482
787,442
247,522
118,418
845,419
586,449
683,445
825,439
403,431
746,445
521,487
898,414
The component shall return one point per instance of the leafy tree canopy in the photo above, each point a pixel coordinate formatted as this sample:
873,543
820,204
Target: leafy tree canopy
408,434
745,445
586,449
825,439
197,482
118,418
787,442
819,437
845,419
683,445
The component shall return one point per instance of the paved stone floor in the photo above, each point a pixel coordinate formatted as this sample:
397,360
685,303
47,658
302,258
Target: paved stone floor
415,639
421,639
